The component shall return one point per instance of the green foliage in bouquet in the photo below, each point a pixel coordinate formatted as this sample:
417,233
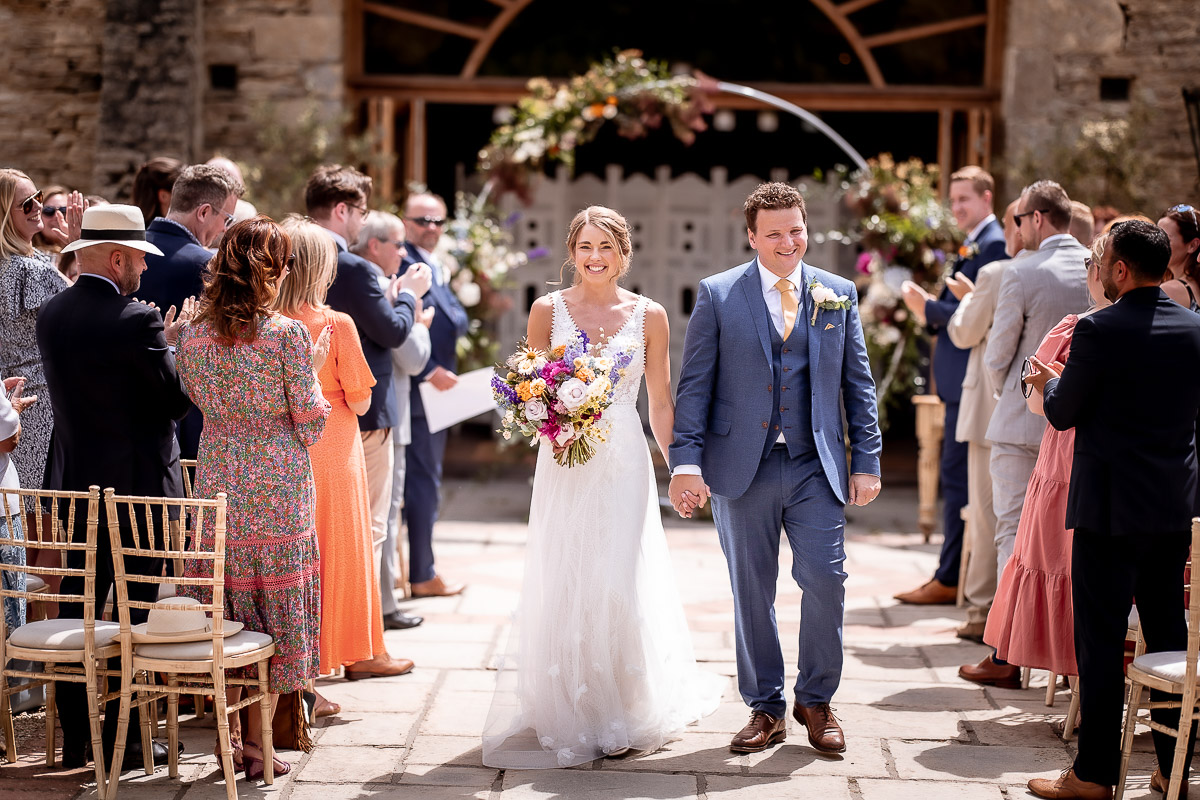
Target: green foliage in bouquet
906,232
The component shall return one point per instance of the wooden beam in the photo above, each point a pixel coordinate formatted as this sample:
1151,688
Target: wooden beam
846,9
974,154
857,43
353,61
417,136
501,3
986,146
498,26
945,149
814,97
993,54
428,21
925,31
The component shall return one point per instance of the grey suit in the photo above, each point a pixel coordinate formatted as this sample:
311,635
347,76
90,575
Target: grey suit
968,329
1036,292
408,359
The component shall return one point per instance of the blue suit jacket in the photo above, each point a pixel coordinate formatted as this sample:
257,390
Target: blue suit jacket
449,324
381,326
178,273
949,361
720,407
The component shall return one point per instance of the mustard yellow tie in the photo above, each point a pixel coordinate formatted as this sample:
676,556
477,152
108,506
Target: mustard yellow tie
787,293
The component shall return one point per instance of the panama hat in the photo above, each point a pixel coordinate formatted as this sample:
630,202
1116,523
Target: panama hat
113,224
179,624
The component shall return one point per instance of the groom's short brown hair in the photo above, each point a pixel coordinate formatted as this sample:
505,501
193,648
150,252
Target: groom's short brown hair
773,196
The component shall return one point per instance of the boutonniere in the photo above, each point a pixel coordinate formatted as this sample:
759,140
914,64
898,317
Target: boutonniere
826,298
968,250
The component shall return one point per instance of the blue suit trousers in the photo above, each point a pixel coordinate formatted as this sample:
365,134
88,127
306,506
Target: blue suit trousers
792,493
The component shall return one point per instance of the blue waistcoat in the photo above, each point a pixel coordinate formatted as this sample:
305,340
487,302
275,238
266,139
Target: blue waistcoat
791,411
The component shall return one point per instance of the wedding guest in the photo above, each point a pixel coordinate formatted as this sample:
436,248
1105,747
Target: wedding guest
971,191
1082,227
1033,621
1103,216
351,625
152,186
255,449
245,209
424,221
1133,478
115,393
53,235
28,278
381,242
968,328
1036,292
1181,223
336,198
12,403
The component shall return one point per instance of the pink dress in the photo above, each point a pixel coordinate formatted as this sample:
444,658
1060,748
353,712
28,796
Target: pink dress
1031,623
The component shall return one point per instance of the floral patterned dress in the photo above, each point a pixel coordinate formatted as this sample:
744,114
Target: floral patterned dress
262,410
26,282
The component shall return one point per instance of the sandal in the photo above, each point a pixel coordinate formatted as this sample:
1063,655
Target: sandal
235,745
255,766
325,708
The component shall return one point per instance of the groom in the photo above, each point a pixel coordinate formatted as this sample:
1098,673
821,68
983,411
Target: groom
773,351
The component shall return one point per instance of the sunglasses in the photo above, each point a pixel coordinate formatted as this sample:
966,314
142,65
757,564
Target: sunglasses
50,211
289,263
426,222
27,203
229,218
1026,371
399,243
1017,218
1184,208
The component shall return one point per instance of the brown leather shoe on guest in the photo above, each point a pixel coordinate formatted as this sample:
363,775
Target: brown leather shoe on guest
382,666
760,732
989,673
824,733
933,593
1160,784
437,587
1069,787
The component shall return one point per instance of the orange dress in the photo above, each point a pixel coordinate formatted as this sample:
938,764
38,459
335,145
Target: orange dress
351,620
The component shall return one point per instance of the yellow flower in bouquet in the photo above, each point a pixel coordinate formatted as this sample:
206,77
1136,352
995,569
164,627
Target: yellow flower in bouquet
537,387
524,391
585,374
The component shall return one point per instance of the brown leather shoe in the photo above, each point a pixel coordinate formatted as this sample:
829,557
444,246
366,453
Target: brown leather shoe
989,673
1069,787
933,593
437,587
1160,784
824,733
760,732
382,666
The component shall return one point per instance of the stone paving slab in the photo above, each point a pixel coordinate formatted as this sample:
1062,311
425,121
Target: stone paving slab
914,729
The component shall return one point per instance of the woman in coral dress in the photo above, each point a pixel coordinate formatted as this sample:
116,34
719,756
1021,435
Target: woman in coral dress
1031,623
351,620
253,372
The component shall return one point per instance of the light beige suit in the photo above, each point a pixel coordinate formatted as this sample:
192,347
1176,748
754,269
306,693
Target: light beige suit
1036,292
968,329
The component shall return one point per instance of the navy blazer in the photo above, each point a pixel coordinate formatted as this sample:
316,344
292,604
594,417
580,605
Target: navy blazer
114,390
178,273
381,326
449,324
1131,390
950,361
721,407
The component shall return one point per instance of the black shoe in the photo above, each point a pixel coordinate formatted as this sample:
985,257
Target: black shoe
398,621
133,755
74,757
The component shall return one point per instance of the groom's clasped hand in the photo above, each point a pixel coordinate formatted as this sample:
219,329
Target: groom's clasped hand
687,493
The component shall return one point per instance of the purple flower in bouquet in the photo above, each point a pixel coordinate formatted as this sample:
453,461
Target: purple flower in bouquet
553,369
502,389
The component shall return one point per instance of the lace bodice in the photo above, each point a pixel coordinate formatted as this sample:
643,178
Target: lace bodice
631,336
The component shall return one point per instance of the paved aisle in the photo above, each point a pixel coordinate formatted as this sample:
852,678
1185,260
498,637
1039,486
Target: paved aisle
914,729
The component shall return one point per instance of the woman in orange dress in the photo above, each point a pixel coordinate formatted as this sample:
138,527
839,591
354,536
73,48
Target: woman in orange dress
351,621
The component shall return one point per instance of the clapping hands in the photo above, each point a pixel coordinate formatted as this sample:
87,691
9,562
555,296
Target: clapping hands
173,323
64,229
960,285
15,387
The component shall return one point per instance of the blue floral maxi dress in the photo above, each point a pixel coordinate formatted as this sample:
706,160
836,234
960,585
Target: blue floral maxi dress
262,409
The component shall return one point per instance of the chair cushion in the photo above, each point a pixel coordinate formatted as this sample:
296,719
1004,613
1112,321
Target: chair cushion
236,645
34,584
61,634
1170,665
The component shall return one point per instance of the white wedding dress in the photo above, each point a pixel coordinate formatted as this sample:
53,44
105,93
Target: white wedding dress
599,658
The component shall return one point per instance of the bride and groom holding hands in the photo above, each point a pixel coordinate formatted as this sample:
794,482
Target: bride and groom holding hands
600,661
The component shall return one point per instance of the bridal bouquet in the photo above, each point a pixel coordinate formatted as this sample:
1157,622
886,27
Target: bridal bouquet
560,397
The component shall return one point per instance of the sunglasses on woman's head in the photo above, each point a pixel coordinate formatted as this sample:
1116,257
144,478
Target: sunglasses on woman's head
1184,208
27,203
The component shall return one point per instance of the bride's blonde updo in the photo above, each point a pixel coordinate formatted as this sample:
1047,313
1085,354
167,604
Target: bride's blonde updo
615,228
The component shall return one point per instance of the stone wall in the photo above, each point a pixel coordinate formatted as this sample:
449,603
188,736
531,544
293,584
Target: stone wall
1052,93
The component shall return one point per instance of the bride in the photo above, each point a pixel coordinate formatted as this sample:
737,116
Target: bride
600,659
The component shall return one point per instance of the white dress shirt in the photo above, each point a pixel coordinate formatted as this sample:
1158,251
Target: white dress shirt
978,229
